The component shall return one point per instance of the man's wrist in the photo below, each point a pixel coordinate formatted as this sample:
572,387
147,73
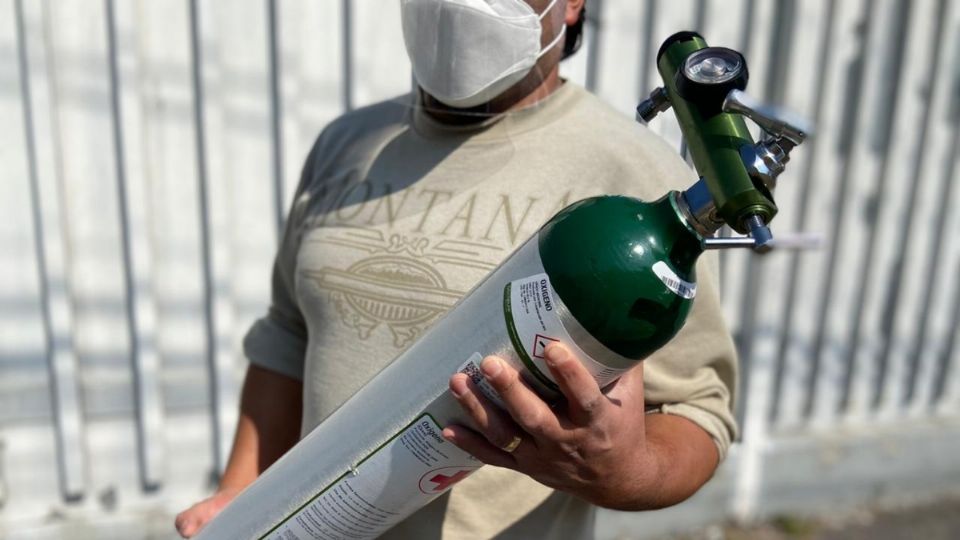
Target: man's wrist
676,458
232,486
636,484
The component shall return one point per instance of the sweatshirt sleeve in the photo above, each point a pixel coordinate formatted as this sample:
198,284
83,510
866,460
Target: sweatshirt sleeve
694,376
278,340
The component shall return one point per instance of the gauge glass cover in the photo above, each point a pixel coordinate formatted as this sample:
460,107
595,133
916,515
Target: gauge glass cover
712,66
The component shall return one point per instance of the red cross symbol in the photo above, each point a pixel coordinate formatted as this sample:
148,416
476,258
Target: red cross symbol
438,480
443,481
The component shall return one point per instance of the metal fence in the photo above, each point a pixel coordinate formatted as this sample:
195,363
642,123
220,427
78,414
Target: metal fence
148,150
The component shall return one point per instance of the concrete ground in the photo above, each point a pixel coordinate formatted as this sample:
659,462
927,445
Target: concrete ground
938,520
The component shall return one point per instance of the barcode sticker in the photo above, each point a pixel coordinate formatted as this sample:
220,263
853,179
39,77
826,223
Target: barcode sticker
673,282
471,368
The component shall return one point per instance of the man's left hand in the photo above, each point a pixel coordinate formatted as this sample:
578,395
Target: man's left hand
593,444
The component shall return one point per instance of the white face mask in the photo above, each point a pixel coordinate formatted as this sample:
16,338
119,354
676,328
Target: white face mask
467,52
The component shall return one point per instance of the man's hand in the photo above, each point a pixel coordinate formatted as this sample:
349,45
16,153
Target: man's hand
269,425
190,521
598,446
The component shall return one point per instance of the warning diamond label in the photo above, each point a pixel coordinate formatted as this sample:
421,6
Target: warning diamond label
532,309
540,344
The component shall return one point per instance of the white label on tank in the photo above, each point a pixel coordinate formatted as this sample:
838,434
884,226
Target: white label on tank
407,472
535,320
673,282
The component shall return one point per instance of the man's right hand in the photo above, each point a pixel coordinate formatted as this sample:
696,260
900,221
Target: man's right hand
271,406
190,521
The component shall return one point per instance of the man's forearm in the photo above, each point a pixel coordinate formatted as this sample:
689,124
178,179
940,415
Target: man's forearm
679,458
270,412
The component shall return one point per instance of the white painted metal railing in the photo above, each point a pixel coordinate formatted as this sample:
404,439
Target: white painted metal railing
148,150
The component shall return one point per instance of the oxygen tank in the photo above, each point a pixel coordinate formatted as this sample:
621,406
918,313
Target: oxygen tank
613,278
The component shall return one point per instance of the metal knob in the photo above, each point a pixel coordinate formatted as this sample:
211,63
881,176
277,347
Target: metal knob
762,237
798,242
648,109
778,122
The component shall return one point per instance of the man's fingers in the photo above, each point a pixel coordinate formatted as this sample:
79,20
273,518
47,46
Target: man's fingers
193,519
584,398
479,447
187,522
528,410
492,422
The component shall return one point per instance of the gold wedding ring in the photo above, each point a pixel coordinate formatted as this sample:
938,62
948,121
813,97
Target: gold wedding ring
512,445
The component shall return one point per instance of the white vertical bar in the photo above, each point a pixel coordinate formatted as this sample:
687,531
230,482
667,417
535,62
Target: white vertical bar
918,81
820,211
647,77
805,94
375,62
39,94
922,329
852,192
310,79
248,147
760,310
346,49
594,35
137,253
619,86
750,271
946,393
948,396
215,220
3,478
276,112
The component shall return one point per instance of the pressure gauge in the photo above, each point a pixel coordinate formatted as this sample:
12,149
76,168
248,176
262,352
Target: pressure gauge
714,65
708,75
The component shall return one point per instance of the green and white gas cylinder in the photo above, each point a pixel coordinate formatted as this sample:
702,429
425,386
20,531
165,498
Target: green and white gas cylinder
611,277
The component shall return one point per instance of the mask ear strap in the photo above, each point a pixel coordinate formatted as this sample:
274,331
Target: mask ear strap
547,10
556,40
563,31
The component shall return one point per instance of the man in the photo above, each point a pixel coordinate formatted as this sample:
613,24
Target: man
403,207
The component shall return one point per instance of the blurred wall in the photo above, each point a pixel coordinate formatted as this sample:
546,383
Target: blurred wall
149,149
